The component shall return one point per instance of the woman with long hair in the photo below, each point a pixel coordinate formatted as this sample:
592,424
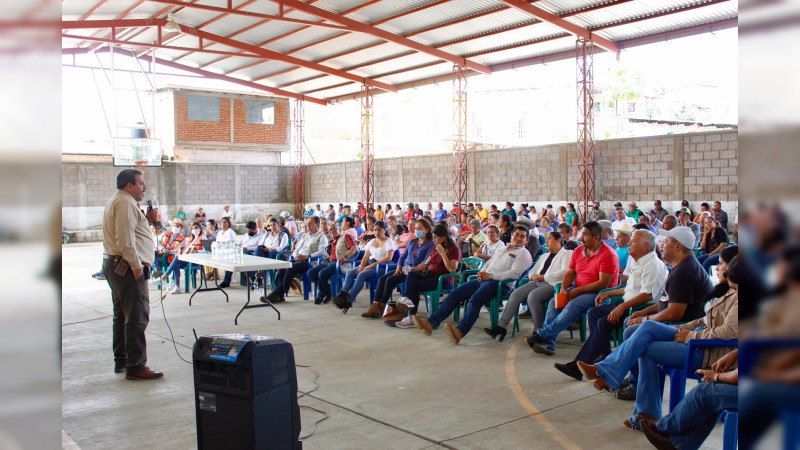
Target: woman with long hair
443,259
411,260
378,251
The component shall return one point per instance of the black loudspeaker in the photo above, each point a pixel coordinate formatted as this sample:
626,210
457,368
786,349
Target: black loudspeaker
245,393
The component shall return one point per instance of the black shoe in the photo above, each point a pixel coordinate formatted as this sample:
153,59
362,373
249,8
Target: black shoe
268,298
326,299
318,299
279,298
533,339
627,393
570,369
600,358
497,332
119,368
224,284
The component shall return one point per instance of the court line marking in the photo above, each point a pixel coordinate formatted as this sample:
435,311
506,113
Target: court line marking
525,402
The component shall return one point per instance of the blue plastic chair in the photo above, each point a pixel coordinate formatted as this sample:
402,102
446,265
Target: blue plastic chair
677,377
381,270
338,277
730,435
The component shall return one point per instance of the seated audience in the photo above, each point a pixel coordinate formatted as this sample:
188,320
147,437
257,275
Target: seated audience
342,247
273,242
473,239
226,234
572,217
595,213
655,343
412,260
482,213
622,239
712,241
695,417
311,245
379,213
593,267
506,228
648,275
378,251
251,238
440,214
180,213
491,244
608,234
507,263
661,212
200,216
509,211
620,218
192,244
548,271
634,212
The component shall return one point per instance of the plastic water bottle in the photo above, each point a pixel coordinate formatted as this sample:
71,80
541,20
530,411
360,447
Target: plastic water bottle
214,250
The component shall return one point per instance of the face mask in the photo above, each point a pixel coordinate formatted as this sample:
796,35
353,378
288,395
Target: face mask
176,230
419,234
251,233
196,232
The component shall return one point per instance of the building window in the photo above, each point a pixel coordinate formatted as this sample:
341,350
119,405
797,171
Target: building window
260,112
631,107
203,108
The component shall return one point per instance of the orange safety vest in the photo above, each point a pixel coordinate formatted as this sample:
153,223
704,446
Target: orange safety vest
175,244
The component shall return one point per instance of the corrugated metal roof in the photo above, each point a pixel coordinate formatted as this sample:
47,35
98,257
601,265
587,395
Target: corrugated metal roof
487,32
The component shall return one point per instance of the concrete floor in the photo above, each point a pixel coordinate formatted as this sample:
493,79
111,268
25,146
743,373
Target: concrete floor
383,387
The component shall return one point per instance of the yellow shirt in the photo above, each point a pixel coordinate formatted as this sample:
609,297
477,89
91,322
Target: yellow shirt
483,215
126,231
378,215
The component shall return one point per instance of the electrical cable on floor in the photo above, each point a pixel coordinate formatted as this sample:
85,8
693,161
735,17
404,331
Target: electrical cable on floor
315,380
172,337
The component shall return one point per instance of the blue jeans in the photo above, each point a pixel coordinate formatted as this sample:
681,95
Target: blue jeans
600,330
386,285
652,344
354,282
175,267
695,417
415,284
760,405
321,275
479,293
708,261
557,320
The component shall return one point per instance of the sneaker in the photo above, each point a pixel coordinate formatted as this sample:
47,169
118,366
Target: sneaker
175,289
405,304
99,276
544,348
407,322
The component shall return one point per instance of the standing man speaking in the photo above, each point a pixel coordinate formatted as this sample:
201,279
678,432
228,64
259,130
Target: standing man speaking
128,253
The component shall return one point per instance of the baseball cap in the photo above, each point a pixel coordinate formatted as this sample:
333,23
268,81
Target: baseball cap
410,204
681,234
684,210
618,204
285,214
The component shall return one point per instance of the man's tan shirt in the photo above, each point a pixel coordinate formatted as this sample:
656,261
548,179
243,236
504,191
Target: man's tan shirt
126,231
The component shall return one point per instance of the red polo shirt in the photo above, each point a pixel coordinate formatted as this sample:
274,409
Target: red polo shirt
588,270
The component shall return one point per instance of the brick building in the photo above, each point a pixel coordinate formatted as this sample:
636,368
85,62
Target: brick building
221,126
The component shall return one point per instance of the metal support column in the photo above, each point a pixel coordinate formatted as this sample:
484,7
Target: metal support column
586,146
298,144
459,134
367,146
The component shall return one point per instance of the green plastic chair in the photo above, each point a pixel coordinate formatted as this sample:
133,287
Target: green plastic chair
473,265
616,334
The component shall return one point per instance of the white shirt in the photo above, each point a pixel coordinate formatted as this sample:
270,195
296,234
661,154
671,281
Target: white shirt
304,245
228,235
558,267
379,253
319,213
250,242
508,263
278,242
648,276
227,214
489,249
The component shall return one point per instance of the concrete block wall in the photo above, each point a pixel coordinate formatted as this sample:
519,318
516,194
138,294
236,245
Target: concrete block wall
250,190
232,156
697,167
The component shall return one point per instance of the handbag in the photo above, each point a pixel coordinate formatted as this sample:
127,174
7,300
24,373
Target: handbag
427,274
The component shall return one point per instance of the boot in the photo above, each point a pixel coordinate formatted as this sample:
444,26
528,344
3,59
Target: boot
295,287
374,311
